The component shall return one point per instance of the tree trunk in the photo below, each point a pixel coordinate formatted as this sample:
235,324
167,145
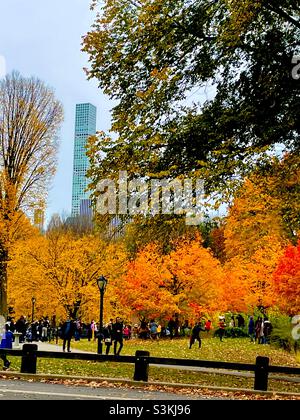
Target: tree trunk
3,280
73,310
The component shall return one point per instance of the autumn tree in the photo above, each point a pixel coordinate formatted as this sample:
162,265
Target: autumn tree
141,290
195,277
256,232
253,218
265,207
164,231
79,226
280,179
187,281
287,280
157,58
249,279
60,269
29,119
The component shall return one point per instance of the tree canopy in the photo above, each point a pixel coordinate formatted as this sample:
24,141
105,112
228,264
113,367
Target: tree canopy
157,57
30,117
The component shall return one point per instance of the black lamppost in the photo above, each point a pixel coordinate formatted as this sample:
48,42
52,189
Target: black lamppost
102,283
33,300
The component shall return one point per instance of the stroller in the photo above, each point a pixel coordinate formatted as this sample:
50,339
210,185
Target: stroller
28,335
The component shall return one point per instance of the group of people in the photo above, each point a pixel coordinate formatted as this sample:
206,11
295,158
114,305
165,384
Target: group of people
114,332
260,330
111,334
37,330
170,329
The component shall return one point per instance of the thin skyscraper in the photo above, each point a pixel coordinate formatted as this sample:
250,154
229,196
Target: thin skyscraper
85,126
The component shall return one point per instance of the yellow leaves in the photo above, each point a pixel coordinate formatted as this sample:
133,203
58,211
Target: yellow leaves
241,16
61,271
160,75
253,219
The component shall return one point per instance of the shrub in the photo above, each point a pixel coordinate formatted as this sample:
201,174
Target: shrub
232,332
282,334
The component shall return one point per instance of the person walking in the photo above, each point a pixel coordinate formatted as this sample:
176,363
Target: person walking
78,330
67,332
6,343
158,330
257,326
241,321
21,328
171,327
261,339
107,335
196,334
232,322
94,330
251,329
222,327
267,327
117,335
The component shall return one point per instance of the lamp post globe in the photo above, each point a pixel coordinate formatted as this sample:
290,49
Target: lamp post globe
102,283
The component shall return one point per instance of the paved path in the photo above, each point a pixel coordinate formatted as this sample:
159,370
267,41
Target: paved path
24,390
42,346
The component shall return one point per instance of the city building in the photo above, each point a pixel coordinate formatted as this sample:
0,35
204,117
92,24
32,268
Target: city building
85,126
86,208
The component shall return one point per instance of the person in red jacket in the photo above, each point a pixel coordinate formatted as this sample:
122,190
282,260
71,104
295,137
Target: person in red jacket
208,326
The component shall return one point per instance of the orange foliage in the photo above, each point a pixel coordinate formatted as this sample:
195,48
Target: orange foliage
196,277
141,289
287,280
187,281
250,280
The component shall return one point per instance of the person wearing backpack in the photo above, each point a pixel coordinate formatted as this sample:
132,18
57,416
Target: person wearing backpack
107,335
67,330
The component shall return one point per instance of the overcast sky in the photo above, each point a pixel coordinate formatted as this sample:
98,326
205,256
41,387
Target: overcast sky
43,38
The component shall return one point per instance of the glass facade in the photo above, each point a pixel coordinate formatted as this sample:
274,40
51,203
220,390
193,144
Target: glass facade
85,126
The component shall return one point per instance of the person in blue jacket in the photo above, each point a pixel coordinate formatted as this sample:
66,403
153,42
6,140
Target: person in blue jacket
68,330
6,343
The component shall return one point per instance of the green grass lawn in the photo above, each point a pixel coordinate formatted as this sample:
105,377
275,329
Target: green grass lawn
231,350
238,350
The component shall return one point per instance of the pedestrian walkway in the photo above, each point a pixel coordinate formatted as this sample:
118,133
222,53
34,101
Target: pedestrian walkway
44,346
